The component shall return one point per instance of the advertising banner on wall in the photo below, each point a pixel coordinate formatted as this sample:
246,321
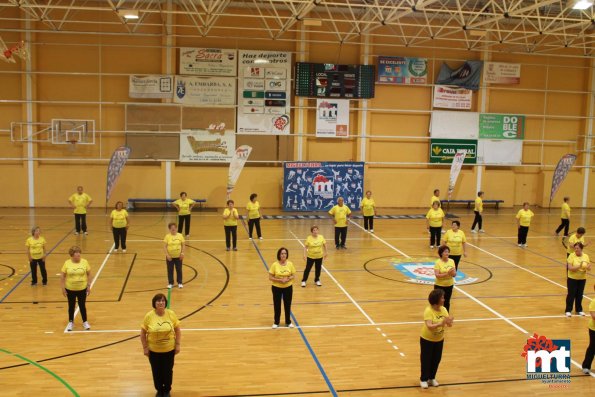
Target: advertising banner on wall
466,76
502,73
500,151
205,91
152,86
402,70
209,137
452,98
316,186
208,61
332,118
501,126
264,92
444,150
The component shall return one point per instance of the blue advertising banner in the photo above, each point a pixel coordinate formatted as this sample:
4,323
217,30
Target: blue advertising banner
402,70
466,76
316,186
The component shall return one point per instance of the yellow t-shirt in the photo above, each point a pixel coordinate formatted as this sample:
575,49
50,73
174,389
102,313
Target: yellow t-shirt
454,241
434,198
184,206
340,214
35,247
437,334
573,239
580,274
443,267
76,274
119,218
253,209
565,211
231,221
280,271
435,217
314,246
80,202
368,206
592,309
479,205
174,244
525,217
161,336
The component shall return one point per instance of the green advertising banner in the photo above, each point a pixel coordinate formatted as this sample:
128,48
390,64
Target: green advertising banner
501,126
444,150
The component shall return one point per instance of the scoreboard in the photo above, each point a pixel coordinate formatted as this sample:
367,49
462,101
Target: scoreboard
328,80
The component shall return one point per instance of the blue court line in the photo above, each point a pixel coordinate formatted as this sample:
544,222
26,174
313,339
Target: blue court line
29,272
318,364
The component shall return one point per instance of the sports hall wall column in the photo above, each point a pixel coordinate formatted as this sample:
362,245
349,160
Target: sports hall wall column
168,67
588,132
362,113
300,123
30,116
483,106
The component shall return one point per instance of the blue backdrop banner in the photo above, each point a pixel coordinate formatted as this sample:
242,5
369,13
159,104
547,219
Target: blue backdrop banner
316,186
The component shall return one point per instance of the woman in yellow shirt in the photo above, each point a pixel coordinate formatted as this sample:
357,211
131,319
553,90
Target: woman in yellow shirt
590,353
174,255
478,220
340,214
456,242
577,237
445,272
76,285
253,208
80,201
434,219
523,220
161,337
36,254
369,211
120,223
431,341
578,265
184,206
281,274
314,252
564,217
230,224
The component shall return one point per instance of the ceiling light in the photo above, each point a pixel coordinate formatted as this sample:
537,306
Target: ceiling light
582,4
128,14
312,22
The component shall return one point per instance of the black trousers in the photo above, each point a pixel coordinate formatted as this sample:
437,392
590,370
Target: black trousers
162,367
564,225
369,222
119,237
184,220
285,295
251,224
80,222
447,295
576,288
177,262
435,233
456,259
231,234
340,236
478,220
44,274
590,351
522,237
430,356
317,269
73,296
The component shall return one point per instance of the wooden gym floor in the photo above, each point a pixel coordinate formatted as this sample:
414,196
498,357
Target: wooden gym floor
357,335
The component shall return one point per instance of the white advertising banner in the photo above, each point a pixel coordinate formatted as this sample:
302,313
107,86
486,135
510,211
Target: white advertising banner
452,98
205,91
208,61
151,86
454,125
502,73
264,92
501,152
209,145
332,118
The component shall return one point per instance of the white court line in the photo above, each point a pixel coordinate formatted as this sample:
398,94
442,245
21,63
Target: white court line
381,240
92,283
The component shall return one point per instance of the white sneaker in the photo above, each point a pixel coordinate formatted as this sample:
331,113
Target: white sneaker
76,233
86,234
290,325
525,245
69,326
180,285
86,325
319,283
582,314
520,245
433,382
123,251
431,247
443,231
249,238
187,236
303,284
482,231
586,371
170,286
371,230
424,385
473,231
568,314
260,238
275,326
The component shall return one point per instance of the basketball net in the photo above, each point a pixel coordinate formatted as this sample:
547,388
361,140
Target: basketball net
9,54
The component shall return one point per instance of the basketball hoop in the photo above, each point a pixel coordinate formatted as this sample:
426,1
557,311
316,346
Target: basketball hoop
9,54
